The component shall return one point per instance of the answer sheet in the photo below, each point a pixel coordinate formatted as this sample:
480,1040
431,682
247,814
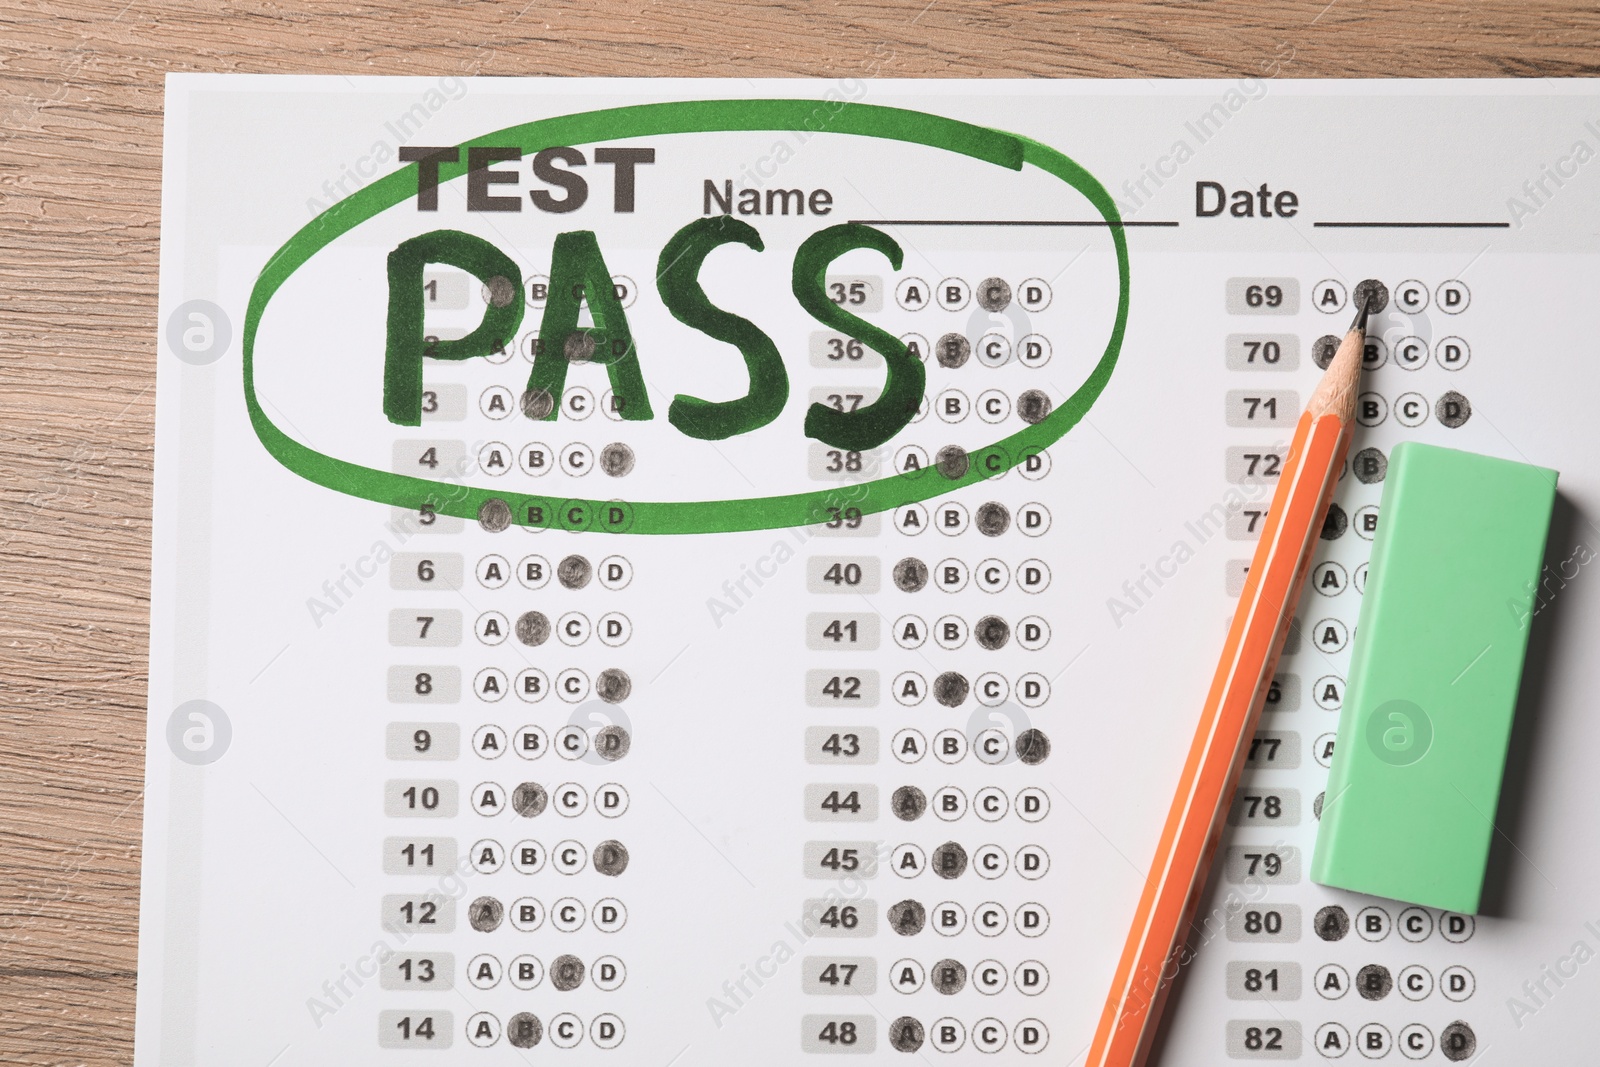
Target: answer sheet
713,572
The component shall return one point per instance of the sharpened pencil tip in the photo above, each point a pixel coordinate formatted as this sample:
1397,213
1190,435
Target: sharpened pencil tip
1360,322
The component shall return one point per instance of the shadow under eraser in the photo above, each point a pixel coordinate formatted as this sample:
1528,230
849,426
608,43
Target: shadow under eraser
1434,671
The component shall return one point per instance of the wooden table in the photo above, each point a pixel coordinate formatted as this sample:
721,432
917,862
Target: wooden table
79,224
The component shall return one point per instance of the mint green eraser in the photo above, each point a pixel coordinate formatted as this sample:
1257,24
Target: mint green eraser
1434,671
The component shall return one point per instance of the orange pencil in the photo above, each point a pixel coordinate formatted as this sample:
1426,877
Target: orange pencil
1156,943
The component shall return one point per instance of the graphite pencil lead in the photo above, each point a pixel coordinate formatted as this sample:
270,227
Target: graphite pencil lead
1360,322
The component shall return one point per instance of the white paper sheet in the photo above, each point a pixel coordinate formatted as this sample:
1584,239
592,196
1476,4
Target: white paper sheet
707,875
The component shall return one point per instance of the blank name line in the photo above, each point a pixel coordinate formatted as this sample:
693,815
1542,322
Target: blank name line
1002,222
1415,225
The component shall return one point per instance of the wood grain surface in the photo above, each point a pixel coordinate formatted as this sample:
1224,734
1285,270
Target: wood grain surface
80,153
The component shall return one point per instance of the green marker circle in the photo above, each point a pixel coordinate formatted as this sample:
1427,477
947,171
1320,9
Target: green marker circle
702,116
